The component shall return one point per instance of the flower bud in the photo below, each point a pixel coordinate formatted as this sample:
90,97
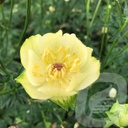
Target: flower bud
112,93
123,120
66,0
118,115
109,6
76,125
51,9
104,29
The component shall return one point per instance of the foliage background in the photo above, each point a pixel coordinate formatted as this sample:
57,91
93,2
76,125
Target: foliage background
100,24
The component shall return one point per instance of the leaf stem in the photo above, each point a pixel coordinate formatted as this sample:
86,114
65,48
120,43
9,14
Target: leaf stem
87,2
124,48
120,12
116,41
11,90
96,10
28,6
2,12
105,29
6,31
10,18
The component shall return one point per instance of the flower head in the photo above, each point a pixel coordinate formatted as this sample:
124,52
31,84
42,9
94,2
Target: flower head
56,66
117,115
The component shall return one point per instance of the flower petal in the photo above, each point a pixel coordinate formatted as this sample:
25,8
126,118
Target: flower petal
91,73
36,69
50,40
31,43
30,89
75,46
55,92
37,44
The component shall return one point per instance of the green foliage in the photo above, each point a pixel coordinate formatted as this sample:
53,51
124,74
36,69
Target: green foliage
102,25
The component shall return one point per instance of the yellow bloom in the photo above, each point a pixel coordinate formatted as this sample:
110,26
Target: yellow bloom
56,66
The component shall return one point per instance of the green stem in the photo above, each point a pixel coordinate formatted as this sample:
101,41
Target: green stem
42,12
109,7
87,10
87,2
113,45
5,46
124,48
28,6
125,34
120,12
116,40
124,25
43,116
6,92
3,68
102,44
105,32
3,16
10,18
96,10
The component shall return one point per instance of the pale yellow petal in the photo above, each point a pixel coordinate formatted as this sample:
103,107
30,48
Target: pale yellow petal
36,69
86,77
50,40
75,46
37,44
32,43
75,82
30,89
55,91
89,51
91,73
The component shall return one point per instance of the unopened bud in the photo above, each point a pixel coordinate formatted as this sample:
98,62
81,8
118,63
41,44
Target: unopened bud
104,29
112,93
118,115
66,0
109,6
76,125
85,37
51,9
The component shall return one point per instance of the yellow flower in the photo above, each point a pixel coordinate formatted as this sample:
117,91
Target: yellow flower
117,115
56,66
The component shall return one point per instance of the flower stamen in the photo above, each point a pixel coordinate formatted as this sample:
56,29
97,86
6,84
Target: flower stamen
60,63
